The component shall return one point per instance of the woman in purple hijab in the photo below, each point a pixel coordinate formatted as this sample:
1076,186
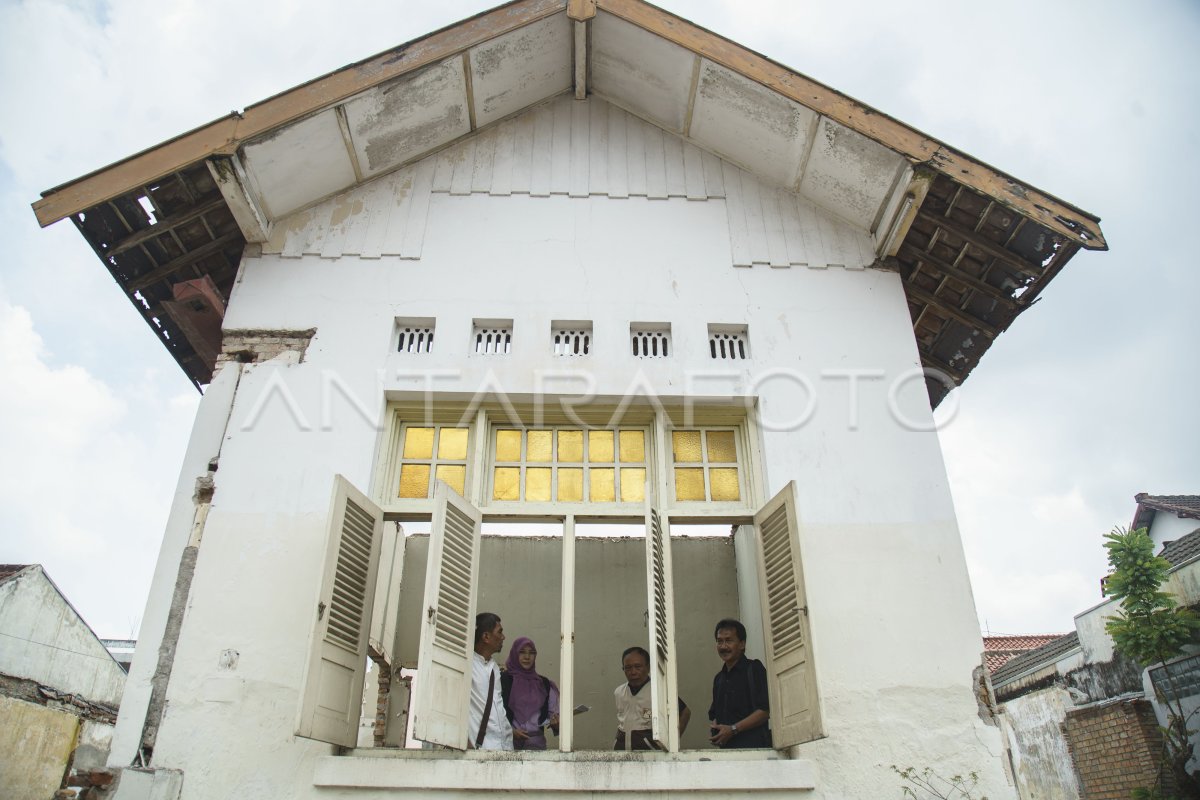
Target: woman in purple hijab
531,700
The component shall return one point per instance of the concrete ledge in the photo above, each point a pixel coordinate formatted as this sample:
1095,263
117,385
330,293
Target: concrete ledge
742,776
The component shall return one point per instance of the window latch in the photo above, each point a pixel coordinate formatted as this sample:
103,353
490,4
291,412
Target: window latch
432,614
320,610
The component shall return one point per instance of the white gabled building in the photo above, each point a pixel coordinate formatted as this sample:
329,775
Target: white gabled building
560,264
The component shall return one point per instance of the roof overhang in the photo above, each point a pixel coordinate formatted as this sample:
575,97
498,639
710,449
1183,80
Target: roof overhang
974,246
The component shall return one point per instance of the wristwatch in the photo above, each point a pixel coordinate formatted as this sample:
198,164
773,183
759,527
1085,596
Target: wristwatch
733,729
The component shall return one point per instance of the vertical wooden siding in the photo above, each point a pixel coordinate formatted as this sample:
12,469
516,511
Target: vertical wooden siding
577,149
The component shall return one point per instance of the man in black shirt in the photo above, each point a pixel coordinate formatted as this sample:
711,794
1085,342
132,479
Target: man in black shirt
740,708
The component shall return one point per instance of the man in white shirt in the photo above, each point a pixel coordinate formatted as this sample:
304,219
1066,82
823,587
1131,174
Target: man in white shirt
487,727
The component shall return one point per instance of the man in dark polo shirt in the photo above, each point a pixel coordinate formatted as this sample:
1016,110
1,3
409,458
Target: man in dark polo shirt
740,708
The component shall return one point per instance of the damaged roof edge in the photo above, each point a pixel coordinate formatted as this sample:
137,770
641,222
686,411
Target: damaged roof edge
225,135
920,148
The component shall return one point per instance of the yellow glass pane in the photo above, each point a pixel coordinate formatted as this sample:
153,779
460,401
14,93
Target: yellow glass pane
633,446
685,445
537,485
570,446
414,480
721,447
724,483
453,475
506,483
452,444
633,485
570,485
508,445
689,484
418,443
600,446
539,446
600,486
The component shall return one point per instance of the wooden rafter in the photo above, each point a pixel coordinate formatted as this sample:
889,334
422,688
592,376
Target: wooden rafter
187,259
958,274
164,225
1006,257
950,310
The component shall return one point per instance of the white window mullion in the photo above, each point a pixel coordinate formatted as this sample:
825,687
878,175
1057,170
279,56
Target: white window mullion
566,683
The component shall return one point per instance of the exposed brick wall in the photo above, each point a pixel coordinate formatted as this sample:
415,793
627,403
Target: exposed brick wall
254,346
1116,747
381,705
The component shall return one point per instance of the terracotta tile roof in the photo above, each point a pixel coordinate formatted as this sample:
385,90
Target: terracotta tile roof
1051,651
1186,506
1182,549
8,570
998,650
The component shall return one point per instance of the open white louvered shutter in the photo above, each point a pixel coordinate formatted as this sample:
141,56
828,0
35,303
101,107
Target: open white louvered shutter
331,697
661,618
795,712
448,622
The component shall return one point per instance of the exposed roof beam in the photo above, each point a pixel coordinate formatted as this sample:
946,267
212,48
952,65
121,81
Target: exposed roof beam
1058,216
949,309
188,258
960,275
581,11
225,135
240,197
163,226
1006,257
580,60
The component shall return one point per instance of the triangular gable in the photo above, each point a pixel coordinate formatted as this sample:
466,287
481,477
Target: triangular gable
974,246
577,149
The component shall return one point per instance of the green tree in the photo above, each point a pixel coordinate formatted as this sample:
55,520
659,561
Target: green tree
1151,629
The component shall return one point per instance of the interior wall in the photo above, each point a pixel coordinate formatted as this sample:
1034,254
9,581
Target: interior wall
521,580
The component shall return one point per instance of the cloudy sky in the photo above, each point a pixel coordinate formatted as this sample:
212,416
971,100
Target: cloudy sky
1089,398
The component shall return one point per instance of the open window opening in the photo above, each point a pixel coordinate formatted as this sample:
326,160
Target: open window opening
580,578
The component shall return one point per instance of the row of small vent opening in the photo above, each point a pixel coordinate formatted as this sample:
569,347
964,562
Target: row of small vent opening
646,340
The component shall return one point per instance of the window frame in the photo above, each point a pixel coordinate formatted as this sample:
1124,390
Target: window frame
659,420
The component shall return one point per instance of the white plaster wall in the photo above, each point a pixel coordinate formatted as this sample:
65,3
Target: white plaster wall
1037,747
208,432
1095,642
45,640
894,630
1167,527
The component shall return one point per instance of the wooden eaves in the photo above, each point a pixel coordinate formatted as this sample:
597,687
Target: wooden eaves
224,136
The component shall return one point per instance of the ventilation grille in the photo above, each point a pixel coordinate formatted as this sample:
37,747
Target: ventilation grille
727,343
650,342
414,337
571,338
451,627
347,606
493,339
783,611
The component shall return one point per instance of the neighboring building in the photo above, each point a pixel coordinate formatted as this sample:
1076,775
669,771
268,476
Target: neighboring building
562,264
1166,517
121,650
1080,719
999,649
59,687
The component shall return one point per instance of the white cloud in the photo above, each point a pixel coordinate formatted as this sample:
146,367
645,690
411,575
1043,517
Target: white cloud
82,489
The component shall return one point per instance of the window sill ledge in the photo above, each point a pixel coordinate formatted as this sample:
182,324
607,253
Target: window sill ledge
600,772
